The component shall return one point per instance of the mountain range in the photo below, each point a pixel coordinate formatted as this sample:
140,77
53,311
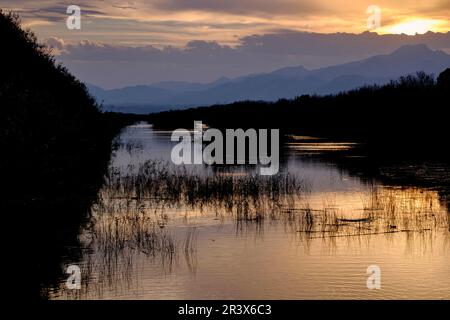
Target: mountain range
287,82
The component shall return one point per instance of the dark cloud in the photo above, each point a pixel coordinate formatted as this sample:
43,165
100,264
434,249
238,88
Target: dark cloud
116,66
337,44
286,43
251,7
54,13
58,13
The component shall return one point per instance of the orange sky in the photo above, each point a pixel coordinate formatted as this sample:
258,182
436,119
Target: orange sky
175,22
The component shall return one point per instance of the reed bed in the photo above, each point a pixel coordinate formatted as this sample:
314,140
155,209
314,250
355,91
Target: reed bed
157,184
131,218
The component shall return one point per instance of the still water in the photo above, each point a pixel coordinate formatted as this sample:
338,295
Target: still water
160,232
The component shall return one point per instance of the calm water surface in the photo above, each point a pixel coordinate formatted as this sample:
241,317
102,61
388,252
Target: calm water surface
315,243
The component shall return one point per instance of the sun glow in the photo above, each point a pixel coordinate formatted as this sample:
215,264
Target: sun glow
411,27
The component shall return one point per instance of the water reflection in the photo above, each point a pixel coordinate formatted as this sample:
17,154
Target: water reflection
199,232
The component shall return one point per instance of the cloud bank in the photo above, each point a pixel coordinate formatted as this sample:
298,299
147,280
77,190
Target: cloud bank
112,66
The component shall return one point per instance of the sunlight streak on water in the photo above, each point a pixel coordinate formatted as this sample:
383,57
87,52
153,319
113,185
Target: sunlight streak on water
313,243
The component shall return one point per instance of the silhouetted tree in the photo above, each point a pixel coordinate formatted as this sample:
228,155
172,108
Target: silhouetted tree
444,79
409,113
55,146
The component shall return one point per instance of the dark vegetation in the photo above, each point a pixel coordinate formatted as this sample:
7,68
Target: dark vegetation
408,114
55,144
248,197
402,127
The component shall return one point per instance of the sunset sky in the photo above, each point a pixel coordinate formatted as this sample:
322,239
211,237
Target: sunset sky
164,27
175,22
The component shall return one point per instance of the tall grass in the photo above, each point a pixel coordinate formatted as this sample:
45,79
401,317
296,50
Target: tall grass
131,221
157,184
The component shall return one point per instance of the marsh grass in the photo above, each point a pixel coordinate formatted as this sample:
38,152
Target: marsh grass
141,199
386,211
157,184
190,249
131,220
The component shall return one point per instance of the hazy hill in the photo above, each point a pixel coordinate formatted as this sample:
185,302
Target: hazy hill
182,86
287,82
405,60
409,113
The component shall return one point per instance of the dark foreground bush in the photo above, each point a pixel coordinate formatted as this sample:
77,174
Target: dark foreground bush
55,145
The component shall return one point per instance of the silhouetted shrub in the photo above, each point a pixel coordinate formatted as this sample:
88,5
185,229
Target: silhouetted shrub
55,146
48,121
444,79
408,113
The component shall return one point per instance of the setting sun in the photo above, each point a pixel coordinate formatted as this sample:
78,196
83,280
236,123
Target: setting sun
412,27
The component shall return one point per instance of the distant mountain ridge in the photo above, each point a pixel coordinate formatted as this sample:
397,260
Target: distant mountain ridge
287,82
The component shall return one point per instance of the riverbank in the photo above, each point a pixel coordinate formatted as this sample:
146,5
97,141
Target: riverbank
56,144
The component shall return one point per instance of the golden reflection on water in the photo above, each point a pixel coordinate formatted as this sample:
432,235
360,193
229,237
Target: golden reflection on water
318,247
321,146
152,237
